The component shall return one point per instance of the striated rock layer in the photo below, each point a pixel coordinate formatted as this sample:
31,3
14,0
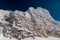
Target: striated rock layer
31,23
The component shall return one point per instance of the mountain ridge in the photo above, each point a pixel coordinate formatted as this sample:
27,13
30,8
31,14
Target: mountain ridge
31,23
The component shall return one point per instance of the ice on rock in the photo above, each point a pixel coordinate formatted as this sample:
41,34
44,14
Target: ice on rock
28,25
27,14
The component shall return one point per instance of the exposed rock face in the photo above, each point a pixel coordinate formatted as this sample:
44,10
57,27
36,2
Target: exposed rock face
33,22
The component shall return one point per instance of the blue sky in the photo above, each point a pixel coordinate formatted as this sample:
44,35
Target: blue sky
52,5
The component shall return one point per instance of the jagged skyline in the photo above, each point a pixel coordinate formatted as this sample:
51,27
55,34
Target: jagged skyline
31,23
52,5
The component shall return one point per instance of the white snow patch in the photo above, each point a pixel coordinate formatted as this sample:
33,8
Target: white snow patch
38,38
5,38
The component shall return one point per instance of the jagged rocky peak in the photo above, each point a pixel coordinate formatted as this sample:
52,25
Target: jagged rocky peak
31,23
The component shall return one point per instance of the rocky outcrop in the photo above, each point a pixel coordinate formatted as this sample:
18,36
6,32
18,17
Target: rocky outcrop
33,22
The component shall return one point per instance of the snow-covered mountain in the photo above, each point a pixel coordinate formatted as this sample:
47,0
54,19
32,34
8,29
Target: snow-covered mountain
33,24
